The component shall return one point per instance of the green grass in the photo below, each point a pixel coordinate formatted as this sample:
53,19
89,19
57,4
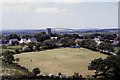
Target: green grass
14,47
64,60
10,48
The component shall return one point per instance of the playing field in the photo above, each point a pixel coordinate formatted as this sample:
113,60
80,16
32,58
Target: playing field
64,60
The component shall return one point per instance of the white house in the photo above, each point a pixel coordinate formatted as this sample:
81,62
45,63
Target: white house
115,42
32,40
54,38
23,40
97,40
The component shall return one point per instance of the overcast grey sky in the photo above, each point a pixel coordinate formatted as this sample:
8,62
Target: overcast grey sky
60,14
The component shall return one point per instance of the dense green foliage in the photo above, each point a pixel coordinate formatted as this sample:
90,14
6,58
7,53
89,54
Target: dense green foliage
8,57
107,69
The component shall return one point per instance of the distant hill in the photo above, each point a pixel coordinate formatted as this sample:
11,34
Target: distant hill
58,30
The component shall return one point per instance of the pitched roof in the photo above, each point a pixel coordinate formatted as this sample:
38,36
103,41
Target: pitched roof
13,39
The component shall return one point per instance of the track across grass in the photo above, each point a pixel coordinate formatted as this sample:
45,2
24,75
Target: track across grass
64,60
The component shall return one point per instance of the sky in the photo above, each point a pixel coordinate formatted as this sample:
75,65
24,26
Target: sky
73,14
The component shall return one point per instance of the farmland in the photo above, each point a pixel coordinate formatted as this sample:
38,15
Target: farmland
64,60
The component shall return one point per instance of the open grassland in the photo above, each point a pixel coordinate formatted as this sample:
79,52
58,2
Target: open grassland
64,60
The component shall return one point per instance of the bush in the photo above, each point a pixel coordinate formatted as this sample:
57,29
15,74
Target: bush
34,48
25,49
17,59
17,51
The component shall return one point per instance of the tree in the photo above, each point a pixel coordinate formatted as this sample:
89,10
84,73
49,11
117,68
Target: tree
41,37
101,46
30,45
25,48
8,57
86,43
93,46
12,36
39,45
34,48
108,68
26,36
17,59
64,41
106,47
71,42
109,47
17,51
49,44
34,73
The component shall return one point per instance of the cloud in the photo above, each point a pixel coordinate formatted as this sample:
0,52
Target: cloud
52,10
16,6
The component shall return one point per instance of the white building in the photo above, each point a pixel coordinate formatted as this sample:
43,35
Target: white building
23,40
54,38
32,40
97,40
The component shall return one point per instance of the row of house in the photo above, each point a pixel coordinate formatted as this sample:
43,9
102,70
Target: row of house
16,41
98,41
22,40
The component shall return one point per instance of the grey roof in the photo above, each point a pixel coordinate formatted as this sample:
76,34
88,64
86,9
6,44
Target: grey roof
13,39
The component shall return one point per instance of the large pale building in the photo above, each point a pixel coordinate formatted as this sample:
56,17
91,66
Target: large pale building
48,31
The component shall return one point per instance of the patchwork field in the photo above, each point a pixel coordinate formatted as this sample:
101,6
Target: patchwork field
64,60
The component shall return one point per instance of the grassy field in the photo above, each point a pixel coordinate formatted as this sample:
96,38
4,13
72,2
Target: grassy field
10,48
15,47
64,60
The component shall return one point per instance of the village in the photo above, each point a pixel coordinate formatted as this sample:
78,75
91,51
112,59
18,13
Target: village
43,41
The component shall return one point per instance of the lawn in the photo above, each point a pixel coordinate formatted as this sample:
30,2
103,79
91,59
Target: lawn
64,60
15,47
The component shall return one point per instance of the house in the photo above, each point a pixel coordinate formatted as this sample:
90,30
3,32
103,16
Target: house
13,42
3,42
77,41
55,38
23,40
115,42
32,40
97,40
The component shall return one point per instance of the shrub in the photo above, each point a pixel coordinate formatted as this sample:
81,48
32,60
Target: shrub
25,49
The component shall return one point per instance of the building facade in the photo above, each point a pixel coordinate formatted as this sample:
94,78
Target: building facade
48,31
